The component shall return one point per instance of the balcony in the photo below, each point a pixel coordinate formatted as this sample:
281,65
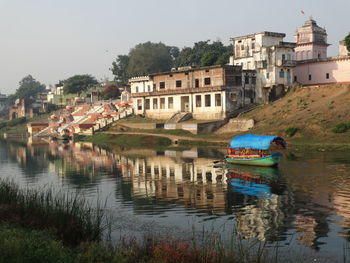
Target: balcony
286,63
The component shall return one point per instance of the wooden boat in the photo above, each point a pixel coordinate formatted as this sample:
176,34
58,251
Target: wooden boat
253,149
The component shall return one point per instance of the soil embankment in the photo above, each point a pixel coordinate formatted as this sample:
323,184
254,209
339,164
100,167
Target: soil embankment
313,110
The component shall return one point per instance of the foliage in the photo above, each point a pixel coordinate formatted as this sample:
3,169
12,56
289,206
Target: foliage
13,122
120,69
347,42
28,87
111,92
78,83
68,216
204,53
149,58
18,245
341,127
291,131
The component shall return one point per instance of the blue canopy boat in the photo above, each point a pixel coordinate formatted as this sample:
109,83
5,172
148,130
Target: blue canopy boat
253,149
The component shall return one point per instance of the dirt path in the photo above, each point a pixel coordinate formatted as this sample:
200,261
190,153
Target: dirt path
170,136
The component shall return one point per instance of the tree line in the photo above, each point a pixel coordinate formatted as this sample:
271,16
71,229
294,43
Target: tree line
147,58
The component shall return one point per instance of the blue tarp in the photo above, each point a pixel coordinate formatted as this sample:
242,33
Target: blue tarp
256,142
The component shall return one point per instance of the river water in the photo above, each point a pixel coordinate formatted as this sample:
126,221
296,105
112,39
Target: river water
303,205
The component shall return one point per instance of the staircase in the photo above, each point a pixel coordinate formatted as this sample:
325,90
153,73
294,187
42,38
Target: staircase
179,117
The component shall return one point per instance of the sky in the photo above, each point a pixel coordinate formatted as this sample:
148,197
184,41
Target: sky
56,39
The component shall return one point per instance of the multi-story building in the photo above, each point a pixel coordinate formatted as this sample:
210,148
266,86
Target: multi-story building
206,92
313,65
270,57
311,41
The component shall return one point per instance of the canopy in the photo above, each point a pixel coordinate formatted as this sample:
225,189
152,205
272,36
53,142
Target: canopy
256,142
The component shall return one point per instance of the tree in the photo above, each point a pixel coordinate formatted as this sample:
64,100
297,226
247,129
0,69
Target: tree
347,42
78,83
111,92
120,69
209,58
149,58
28,87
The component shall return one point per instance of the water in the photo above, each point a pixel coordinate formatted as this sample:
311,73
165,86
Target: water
303,206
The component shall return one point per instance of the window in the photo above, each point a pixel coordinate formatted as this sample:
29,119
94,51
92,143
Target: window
139,104
178,84
283,57
234,96
310,77
207,100
155,104
162,85
148,88
154,87
242,47
198,101
282,73
196,83
253,45
267,75
217,99
170,75
254,80
136,89
246,79
238,80
147,104
207,81
162,103
327,75
170,102
207,70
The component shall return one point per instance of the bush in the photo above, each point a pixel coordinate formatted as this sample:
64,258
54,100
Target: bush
341,127
13,122
291,131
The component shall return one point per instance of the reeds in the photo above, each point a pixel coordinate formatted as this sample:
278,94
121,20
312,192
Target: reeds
68,216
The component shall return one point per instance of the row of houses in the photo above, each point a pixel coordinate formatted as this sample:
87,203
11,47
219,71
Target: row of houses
263,67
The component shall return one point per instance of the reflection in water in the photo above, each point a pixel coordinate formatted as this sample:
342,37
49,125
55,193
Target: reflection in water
297,201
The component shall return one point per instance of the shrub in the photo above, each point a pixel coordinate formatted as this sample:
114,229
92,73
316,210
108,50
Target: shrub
341,127
13,122
291,131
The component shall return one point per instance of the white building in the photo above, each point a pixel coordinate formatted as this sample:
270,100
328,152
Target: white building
270,57
208,93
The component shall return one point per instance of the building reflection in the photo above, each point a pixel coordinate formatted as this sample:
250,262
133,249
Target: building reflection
267,204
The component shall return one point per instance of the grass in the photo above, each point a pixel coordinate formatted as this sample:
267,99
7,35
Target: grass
69,217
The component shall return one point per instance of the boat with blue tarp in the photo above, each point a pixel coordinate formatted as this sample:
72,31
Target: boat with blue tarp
256,150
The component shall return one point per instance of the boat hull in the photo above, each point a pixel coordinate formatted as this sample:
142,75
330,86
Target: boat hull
270,160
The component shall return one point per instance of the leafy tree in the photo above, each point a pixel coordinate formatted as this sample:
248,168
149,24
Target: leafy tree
347,42
111,92
149,58
203,53
28,87
120,69
78,83
224,58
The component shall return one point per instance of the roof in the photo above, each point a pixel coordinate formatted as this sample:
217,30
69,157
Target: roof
256,142
188,69
265,33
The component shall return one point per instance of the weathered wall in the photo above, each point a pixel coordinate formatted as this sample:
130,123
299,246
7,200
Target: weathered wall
338,70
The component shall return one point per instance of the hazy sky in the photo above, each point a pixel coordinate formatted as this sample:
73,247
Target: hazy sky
55,39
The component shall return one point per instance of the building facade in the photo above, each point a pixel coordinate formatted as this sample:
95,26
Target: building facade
270,57
208,93
313,65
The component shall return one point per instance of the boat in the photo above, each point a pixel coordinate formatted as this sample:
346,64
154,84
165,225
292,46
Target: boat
253,149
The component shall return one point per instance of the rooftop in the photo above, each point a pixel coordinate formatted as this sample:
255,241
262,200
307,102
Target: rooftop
264,33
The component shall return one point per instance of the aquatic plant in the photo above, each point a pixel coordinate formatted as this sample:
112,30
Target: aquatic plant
68,216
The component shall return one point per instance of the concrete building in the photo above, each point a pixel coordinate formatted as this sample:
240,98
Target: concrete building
270,57
207,93
314,67
311,41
